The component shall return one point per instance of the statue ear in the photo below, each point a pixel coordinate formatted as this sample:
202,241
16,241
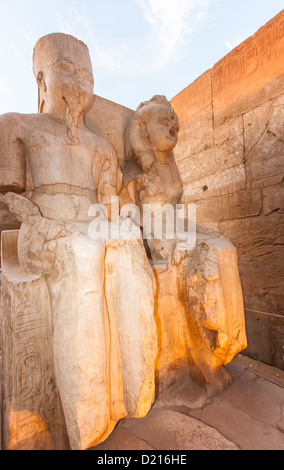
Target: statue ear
41,82
143,127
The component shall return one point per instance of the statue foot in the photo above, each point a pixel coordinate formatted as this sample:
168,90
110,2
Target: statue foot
221,380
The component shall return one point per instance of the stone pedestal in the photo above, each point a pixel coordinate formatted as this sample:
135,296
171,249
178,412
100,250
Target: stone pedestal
32,417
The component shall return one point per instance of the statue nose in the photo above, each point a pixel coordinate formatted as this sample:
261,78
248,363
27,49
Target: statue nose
173,131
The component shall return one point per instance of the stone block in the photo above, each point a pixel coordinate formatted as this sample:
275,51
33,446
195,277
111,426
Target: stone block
265,333
229,131
197,136
228,207
264,136
32,414
273,200
193,99
222,182
259,241
197,166
169,430
260,345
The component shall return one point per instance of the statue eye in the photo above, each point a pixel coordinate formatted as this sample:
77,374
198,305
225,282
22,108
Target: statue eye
165,122
64,66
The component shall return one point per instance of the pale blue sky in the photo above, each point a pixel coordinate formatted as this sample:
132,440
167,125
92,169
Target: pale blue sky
138,47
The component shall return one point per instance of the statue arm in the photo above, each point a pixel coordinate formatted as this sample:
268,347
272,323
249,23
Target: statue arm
108,175
12,155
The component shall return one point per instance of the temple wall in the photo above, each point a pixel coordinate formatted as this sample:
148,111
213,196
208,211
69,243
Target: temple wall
231,159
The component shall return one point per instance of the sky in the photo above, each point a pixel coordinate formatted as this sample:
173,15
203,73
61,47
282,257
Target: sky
138,48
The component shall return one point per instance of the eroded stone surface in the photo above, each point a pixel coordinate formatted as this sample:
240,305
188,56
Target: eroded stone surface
123,440
169,430
249,413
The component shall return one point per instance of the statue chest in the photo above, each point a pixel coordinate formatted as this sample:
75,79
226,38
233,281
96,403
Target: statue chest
54,160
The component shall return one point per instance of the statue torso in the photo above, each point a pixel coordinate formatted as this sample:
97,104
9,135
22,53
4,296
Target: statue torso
161,184
60,173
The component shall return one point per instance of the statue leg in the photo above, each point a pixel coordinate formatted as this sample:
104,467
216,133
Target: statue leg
214,298
82,345
130,291
74,269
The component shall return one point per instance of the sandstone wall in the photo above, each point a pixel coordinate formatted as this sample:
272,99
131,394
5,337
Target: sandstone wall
231,159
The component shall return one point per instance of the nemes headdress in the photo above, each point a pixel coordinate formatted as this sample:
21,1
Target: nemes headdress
55,46
58,45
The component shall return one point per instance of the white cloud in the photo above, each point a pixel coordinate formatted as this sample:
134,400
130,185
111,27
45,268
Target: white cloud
77,23
172,23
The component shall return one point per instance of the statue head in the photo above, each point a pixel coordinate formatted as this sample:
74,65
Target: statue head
153,132
63,71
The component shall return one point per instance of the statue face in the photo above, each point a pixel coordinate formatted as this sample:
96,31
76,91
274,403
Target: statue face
163,128
70,82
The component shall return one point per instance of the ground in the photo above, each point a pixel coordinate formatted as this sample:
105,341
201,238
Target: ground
249,415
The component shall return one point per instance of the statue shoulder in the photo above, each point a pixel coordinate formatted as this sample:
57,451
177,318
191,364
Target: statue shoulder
104,148
10,119
15,121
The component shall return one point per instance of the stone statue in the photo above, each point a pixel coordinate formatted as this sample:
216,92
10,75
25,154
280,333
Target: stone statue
199,296
94,330
99,295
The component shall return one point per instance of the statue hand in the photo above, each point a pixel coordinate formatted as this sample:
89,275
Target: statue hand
20,206
27,212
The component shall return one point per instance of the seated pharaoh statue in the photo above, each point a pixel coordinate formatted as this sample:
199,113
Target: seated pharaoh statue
95,329
198,291
84,307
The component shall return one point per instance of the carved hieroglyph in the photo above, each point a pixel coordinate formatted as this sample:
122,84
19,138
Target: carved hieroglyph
100,294
32,408
199,303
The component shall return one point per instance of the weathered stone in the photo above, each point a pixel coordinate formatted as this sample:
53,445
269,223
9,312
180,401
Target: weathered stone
215,304
240,77
104,335
197,136
169,430
232,206
230,132
195,98
248,404
186,393
269,330
70,168
195,167
260,249
273,199
220,183
264,137
121,439
32,414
